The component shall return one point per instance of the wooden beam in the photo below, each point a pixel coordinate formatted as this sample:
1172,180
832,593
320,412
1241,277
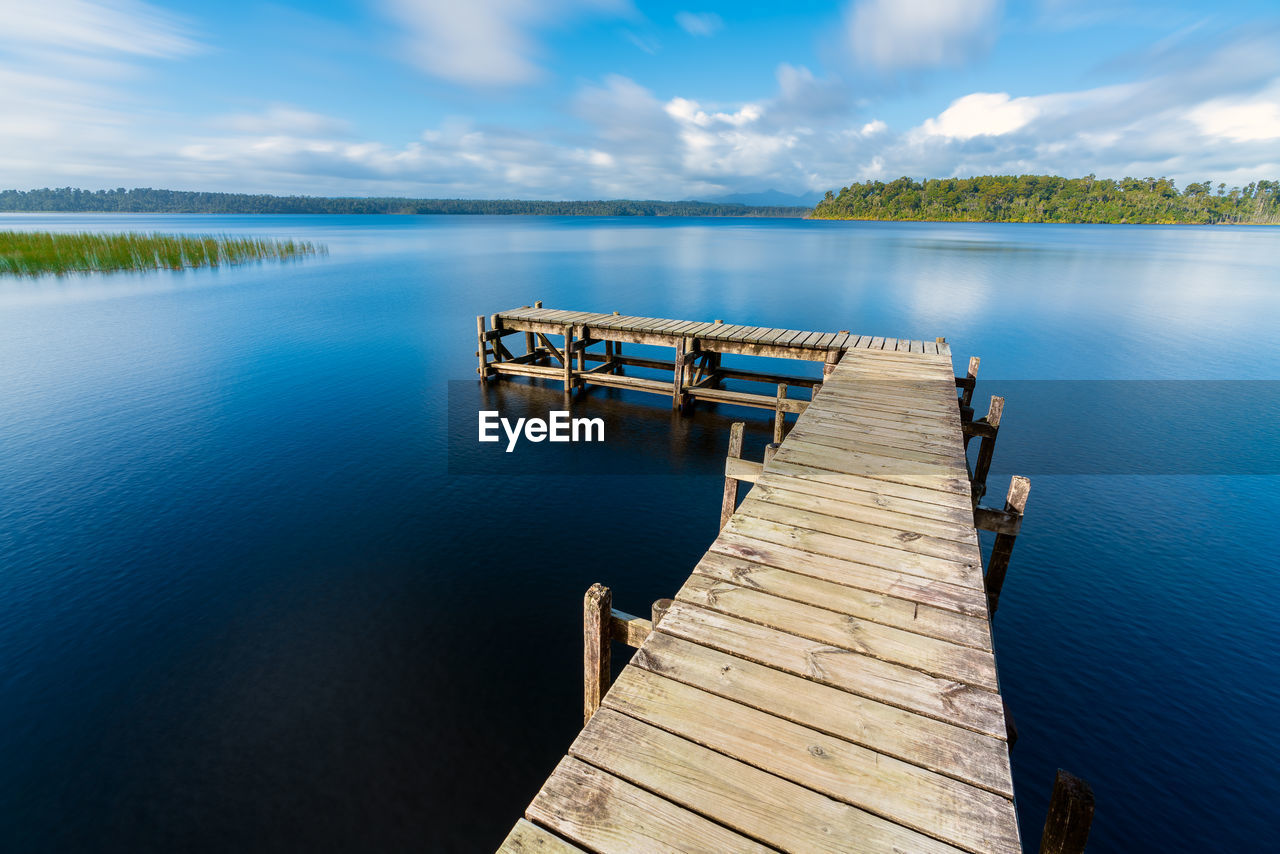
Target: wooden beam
730,500
597,670
743,470
1015,505
1066,827
551,348
628,629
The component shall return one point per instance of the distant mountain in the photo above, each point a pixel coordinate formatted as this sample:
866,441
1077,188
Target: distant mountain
768,198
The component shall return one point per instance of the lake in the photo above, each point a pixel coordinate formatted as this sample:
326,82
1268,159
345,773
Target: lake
255,597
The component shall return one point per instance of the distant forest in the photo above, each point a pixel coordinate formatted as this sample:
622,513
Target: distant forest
70,200
1047,198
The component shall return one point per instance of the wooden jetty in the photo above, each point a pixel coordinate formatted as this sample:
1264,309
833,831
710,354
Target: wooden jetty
825,680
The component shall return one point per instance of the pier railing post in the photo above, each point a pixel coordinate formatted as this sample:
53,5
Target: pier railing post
770,450
730,500
1015,506
778,415
1066,827
986,447
481,346
971,377
659,610
677,374
597,635
568,361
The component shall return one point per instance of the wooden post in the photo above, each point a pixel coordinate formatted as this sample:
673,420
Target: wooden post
966,397
568,360
617,347
987,447
659,610
829,364
677,375
528,339
730,501
531,343
769,451
597,671
778,415
1015,504
1066,827
481,345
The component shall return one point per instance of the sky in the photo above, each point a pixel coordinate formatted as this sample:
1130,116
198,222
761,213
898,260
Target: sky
573,99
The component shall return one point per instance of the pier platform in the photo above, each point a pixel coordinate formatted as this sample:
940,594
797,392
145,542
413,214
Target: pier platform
825,680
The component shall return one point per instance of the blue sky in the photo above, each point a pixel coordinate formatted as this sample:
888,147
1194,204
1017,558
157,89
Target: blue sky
625,98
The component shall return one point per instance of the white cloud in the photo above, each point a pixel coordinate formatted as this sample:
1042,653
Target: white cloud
893,35
282,119
700,23
1241,119
485,42
990,113
119,26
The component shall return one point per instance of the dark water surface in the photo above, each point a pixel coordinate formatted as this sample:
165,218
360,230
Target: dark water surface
252,598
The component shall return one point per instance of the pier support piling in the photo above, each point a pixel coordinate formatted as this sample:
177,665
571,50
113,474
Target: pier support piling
1010,524
597,634
730,500
986,429
1066,827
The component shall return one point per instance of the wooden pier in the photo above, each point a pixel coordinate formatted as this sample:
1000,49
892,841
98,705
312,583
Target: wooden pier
825,679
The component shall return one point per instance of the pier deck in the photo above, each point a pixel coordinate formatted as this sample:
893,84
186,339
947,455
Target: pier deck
824,680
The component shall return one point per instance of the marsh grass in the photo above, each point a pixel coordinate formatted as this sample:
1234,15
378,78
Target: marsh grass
36,253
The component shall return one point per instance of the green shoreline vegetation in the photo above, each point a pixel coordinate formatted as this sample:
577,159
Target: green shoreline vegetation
36,253
1050,199
988,198
146,200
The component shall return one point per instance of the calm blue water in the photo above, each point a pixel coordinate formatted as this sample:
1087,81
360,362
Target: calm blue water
245,606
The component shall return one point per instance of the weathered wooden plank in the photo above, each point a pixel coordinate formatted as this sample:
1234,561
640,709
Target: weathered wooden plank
637,383
942,699
887,548
965,599
957,486
606,814
946,749
903,449
913,797
736,793
816,473
850,601
857,506
527,838
920,652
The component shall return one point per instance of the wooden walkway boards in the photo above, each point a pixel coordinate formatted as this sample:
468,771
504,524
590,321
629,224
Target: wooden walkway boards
825,680
721,337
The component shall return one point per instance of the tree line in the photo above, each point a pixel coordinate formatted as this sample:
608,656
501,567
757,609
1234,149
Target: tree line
147,200
1049,198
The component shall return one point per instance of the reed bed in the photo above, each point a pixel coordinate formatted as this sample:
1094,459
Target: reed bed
36,253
